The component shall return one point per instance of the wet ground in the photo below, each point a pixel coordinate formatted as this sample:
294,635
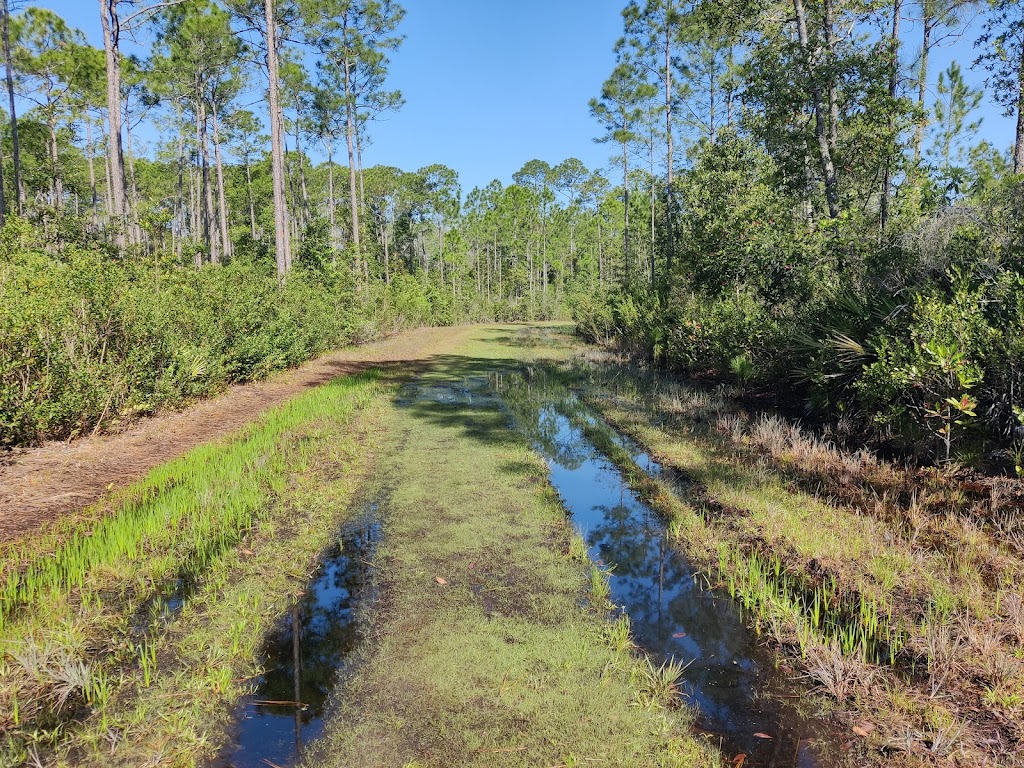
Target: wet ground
287,710
743,700
730,677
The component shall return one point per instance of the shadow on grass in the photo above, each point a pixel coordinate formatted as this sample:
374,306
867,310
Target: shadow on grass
450,392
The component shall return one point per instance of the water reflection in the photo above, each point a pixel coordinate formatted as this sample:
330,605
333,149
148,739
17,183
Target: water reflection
742,698
304,656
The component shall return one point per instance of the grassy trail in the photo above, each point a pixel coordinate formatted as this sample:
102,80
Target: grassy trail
484,653
127,637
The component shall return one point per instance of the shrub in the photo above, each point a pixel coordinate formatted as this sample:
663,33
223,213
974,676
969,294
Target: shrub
85,339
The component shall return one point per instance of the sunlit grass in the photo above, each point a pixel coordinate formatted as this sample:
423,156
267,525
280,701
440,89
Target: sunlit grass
184,513
90,641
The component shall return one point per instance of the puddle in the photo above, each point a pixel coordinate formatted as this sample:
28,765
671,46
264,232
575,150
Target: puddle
730,677
160,610
287,710
471,391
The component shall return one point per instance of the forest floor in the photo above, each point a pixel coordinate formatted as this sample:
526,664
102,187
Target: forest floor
41,485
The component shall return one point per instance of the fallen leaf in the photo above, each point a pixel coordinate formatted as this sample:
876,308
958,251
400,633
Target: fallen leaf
248,552
677,635
440,581
760,735
863,728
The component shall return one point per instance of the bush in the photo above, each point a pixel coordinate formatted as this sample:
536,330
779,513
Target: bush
85,339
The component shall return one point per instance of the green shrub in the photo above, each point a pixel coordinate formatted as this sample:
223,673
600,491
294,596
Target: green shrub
85,338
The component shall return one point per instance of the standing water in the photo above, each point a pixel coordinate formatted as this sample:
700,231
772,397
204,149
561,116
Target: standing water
733,681
304,656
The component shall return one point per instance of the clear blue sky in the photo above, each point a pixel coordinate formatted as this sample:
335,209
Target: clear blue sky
491,84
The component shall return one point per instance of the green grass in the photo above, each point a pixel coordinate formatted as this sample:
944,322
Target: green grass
89,670
514,661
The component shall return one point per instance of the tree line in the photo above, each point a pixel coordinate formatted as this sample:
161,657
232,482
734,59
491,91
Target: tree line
165,155
821,223
795,198
204,64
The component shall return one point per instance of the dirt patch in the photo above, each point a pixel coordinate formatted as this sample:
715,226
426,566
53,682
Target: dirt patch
39,486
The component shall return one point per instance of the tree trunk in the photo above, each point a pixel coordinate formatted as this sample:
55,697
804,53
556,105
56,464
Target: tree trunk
654,237
282,242
711,97
290,187
359,167
625,207
730,91
832,94
111,45
1018,146
19,187
179,202
91,159
670,218
387,254
827,166
922,84
222,202
894,71
210,228
133,187
107,198
252,201
440,252
331,214
194,215
350,140
57,187
302,172
544,248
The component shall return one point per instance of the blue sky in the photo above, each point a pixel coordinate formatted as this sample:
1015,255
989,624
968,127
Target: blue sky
490,85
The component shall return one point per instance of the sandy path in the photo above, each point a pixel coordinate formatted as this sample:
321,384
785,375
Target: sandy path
40,485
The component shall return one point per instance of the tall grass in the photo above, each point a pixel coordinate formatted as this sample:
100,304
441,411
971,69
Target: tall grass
184,514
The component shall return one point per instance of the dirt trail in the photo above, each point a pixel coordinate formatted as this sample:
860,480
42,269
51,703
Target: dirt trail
41,485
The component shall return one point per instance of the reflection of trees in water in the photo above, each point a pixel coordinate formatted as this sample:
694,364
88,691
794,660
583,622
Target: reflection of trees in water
537,406
671,614
328,633
620,542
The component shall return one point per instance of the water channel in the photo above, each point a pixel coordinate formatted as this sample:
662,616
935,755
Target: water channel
743,700
305,654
